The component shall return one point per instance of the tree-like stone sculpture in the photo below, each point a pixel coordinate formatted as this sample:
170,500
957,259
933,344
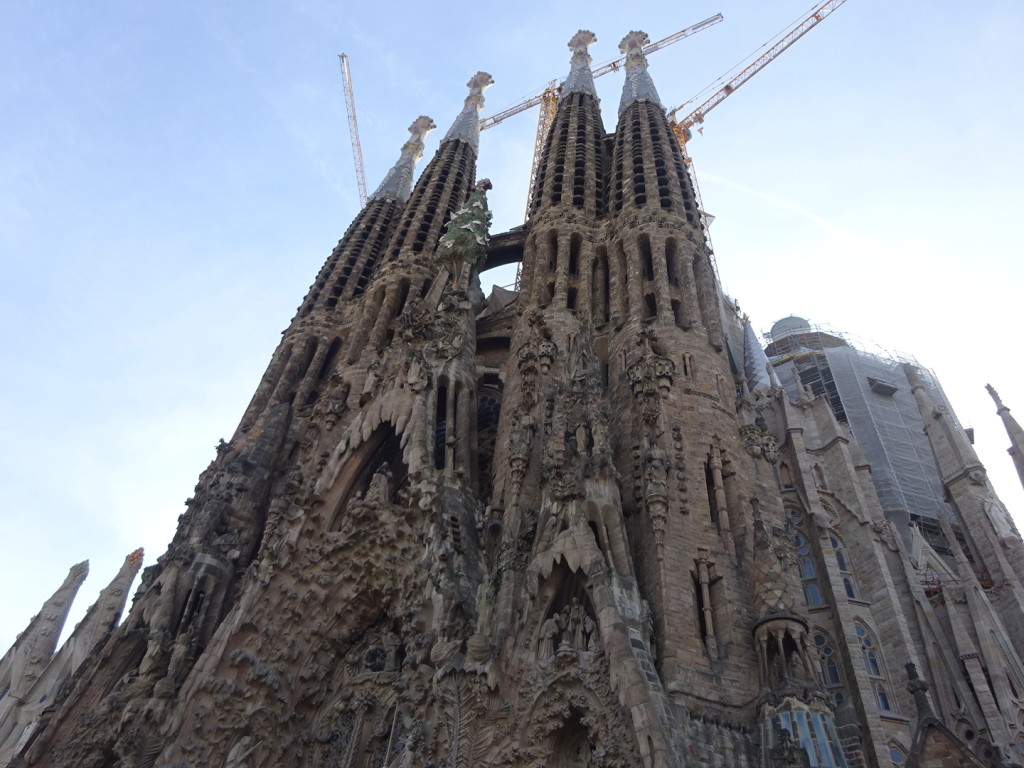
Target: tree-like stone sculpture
464,245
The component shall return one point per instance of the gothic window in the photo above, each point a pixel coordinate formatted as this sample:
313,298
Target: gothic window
785,477
831,671
875,667
898,756
804,561
849,585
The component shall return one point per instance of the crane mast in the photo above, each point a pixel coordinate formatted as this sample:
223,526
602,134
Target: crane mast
353,129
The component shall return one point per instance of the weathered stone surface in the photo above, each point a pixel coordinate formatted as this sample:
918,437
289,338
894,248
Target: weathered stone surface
577,526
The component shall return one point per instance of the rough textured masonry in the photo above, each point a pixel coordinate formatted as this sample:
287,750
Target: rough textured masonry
581,524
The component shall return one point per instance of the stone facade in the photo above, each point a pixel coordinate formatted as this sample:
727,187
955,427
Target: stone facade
577,525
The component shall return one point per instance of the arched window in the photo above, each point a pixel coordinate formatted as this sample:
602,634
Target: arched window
875,667
849,584
805,562
897,755
831,671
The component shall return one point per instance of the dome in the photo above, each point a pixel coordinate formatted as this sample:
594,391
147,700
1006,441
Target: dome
788,325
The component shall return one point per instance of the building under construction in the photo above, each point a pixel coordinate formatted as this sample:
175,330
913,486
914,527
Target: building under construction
580,524
871,393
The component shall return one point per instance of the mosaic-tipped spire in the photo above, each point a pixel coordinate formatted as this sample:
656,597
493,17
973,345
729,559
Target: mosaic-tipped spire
580,79
397,183
467,125
638,85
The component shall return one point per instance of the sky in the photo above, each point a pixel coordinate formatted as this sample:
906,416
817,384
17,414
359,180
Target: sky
173,174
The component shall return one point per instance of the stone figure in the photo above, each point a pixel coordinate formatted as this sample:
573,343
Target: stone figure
574,624
380,485
549,633
590,633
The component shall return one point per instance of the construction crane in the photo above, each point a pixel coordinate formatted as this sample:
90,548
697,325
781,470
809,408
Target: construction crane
353,129
603,69
696,117
681,126
548,98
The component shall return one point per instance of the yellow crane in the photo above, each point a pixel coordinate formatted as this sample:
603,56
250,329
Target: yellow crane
682,126
353,129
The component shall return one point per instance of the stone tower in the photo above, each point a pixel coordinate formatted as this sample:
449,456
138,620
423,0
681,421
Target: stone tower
577,525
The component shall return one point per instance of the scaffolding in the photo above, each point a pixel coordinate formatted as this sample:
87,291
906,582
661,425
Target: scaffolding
870,392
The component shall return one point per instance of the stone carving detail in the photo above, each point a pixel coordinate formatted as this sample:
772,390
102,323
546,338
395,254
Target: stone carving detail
568,631
464,246
752,439
651,374
656,494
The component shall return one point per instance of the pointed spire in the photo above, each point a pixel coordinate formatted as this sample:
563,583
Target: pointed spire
398,181
1014,430
638,85
580,79
755,361
467,125
36,645
104,613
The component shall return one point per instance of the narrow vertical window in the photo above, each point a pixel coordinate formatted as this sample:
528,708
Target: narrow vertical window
875,666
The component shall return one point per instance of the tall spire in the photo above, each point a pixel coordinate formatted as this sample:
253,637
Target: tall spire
572,166
467,125
104,613
638,85
398,181
1014,430
34,648
580,79
38,689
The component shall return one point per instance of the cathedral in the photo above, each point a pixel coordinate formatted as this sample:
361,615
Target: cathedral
588,522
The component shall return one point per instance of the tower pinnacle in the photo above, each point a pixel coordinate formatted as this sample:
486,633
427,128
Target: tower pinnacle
1014,430
398,181
580,79
638,85
467,125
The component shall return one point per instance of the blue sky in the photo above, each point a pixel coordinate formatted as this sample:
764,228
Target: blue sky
172,176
